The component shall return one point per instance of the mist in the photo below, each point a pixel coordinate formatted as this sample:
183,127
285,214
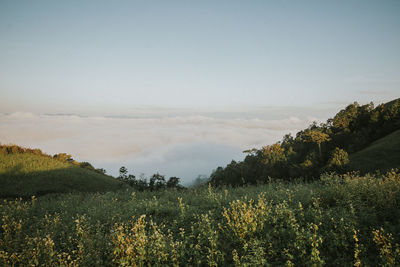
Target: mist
172,142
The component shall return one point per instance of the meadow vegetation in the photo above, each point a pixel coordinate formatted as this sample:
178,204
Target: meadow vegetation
339,220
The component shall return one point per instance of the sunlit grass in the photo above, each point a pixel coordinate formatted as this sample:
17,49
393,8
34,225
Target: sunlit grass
25,174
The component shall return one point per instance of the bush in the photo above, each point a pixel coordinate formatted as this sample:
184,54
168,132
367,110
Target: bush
341,220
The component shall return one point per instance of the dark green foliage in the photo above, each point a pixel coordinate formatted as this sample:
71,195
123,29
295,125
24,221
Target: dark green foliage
173,182
339,161
123,172
157,181
319,148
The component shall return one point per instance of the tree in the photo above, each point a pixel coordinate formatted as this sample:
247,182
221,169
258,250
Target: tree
129,179
173,182
315,136
157,181
344,117
141,183
339,160
217,176
251,152
273,154
123,173
309,152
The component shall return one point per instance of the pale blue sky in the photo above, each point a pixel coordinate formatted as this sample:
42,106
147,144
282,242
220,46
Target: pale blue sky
102,56
182,87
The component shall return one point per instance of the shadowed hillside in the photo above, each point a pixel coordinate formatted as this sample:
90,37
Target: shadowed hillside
383,155
25,174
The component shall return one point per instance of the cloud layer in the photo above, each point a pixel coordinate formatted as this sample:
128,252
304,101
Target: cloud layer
182,144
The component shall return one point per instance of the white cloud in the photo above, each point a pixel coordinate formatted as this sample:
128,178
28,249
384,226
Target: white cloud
179,145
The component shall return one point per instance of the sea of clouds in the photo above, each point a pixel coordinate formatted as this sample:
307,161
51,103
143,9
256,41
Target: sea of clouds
182,143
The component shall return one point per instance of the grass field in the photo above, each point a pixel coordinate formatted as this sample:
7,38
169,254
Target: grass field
337,221
383,154
28,174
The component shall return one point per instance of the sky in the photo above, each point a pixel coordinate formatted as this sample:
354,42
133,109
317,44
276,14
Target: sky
182,87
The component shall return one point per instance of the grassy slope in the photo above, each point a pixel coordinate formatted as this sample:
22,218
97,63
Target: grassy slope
383,154
28,174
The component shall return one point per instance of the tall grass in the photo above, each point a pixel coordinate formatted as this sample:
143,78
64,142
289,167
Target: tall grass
382,154
337,221
29,174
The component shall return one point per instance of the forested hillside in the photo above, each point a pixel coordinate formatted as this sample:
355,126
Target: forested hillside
319,148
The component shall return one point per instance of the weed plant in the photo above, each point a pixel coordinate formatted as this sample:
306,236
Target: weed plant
339,220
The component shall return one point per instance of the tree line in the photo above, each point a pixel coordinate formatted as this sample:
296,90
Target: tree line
319,148
156,181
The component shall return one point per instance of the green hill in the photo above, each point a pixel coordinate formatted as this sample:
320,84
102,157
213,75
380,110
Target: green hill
383,154
367,133
27,174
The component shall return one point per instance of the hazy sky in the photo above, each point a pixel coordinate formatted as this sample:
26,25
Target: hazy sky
179,142
222,60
